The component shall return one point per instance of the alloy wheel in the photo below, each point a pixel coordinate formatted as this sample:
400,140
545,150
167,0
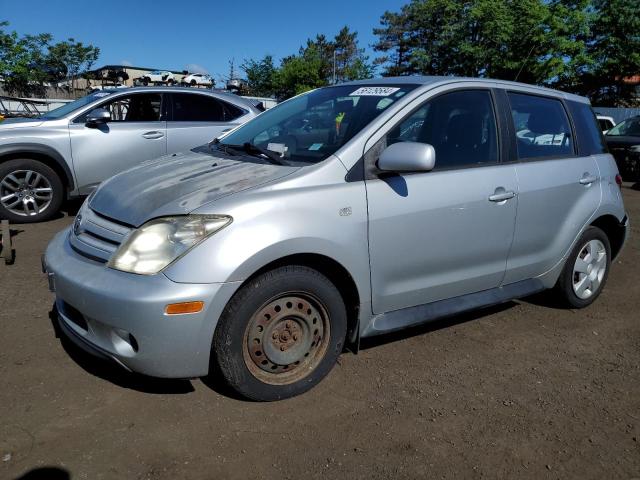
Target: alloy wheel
25,193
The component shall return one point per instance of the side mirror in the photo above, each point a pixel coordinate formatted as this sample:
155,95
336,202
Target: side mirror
98,116
408,157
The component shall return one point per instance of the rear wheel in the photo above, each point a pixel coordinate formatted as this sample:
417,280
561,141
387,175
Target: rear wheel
30,191
280,334
586,270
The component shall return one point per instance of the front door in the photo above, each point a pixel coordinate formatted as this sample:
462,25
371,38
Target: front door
135,133
441,234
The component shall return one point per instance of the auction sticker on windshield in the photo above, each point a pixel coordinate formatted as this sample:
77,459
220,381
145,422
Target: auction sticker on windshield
374,91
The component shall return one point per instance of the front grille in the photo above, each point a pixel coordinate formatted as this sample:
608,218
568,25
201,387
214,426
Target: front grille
95,236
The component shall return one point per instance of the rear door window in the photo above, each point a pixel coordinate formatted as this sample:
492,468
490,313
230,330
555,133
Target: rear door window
590,140
189,107
541,125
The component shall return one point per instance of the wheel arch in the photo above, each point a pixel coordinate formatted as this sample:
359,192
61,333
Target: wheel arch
614,231
41,153
335,272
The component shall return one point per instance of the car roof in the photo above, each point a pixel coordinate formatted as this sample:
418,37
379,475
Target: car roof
230,97
432,81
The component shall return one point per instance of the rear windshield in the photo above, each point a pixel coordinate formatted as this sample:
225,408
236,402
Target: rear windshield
311,127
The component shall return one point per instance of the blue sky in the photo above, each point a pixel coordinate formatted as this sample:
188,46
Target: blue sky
174,34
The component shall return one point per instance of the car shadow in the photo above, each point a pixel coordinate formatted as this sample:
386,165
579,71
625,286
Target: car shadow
114,373
45,473
71,206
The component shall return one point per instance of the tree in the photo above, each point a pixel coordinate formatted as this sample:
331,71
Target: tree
351,62
22,60
395,42
261,76
28,62
615,51
524,39
75,56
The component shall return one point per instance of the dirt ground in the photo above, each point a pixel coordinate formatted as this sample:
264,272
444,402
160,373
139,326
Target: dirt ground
525,390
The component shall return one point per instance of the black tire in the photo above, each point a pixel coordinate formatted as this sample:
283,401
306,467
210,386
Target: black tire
50,180
234,349
145,82
565,286
193,83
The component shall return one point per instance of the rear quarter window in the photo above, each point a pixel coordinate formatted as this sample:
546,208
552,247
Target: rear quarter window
590,139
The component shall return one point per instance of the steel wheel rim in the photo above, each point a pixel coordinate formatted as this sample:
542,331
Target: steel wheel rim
589,269
25,193
287,338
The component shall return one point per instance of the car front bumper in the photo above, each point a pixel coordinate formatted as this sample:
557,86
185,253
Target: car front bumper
121,315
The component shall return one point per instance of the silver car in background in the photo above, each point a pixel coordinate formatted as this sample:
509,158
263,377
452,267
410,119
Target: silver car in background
347,212
67,152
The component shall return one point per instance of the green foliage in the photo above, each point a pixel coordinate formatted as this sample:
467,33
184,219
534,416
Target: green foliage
260,76
28,62
586,46
311,68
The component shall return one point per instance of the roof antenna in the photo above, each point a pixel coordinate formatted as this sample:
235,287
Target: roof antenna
524,62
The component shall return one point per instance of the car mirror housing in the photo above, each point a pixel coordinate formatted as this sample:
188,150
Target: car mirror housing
408,157
98,116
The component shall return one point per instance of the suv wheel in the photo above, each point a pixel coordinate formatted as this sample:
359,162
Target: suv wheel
30,191
280,334
586,269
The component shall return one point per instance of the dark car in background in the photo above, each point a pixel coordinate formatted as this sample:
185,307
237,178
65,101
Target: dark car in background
623,141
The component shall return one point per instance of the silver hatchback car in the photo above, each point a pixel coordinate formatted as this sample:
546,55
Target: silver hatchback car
67,152
350,211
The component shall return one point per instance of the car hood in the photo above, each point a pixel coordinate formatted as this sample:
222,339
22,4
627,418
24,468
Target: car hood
179,184
19,122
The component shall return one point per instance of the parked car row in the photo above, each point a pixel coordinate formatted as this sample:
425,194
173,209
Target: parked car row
67,152
169,78
347,212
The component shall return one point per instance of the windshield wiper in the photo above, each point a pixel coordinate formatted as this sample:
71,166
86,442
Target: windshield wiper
273,156
249,148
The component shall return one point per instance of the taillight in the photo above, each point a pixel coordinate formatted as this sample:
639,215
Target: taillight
619,180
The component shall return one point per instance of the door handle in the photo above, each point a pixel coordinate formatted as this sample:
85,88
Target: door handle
588,179
502,196
153,135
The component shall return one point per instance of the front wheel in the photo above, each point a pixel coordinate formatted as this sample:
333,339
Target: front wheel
30,191
280,334
586,270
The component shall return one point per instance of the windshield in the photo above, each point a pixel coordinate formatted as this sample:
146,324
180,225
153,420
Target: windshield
630,127
311,127
73,106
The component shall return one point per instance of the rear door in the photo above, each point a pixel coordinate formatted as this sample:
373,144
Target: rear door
135,133
444,233
559,188
196,119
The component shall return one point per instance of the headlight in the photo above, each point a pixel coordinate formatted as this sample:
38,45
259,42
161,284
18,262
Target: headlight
159,242
635,148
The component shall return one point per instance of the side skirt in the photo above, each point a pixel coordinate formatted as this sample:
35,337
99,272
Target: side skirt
412,316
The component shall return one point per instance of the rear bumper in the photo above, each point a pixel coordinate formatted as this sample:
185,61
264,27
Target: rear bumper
121,316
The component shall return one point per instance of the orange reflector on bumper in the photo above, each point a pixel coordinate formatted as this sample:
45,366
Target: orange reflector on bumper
184,307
